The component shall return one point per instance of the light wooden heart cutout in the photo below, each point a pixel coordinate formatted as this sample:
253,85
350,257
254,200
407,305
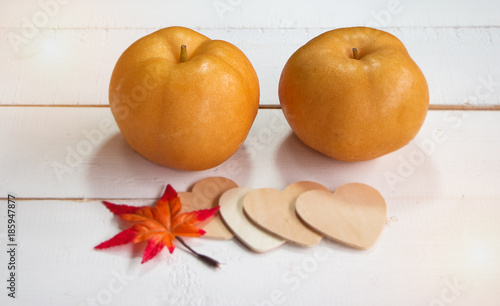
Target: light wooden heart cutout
231,210
354,215
205,194
274,211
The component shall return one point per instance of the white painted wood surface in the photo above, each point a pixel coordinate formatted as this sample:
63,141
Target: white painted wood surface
441,243
441,193
74,65
70,152
249,14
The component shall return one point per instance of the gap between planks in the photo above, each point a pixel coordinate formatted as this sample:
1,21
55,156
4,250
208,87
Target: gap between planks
199,28
79,199
277,106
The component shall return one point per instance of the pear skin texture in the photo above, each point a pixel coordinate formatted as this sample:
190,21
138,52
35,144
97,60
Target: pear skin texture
191,115
354,109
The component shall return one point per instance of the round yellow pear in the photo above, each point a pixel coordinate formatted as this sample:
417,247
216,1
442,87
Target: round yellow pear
354,94
183,100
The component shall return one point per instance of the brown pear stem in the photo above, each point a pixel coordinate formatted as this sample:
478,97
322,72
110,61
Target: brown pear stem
184,54
355,53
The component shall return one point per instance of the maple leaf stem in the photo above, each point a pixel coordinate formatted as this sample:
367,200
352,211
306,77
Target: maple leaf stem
208,260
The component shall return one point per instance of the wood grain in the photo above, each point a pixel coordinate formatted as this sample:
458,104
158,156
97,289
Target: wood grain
205,194
437,241
274,211
354,214
73,66
231,210
79,153
252,14
440,243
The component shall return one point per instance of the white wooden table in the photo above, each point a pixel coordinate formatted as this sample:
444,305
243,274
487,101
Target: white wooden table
441,244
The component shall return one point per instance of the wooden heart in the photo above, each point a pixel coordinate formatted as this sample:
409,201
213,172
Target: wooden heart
205,194
231,210
354,215
274,211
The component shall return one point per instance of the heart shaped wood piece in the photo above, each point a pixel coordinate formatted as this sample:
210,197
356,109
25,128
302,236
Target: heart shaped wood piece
205,194
354,215
231,210
274,211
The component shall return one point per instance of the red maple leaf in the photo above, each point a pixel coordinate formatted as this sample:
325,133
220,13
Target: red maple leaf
159,224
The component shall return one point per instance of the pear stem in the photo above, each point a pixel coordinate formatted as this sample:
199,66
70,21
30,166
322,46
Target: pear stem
355,53
184,54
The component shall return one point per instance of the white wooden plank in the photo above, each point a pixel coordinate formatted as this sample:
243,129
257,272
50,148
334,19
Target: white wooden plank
429,252
74,66
440,245
247,14
75,152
